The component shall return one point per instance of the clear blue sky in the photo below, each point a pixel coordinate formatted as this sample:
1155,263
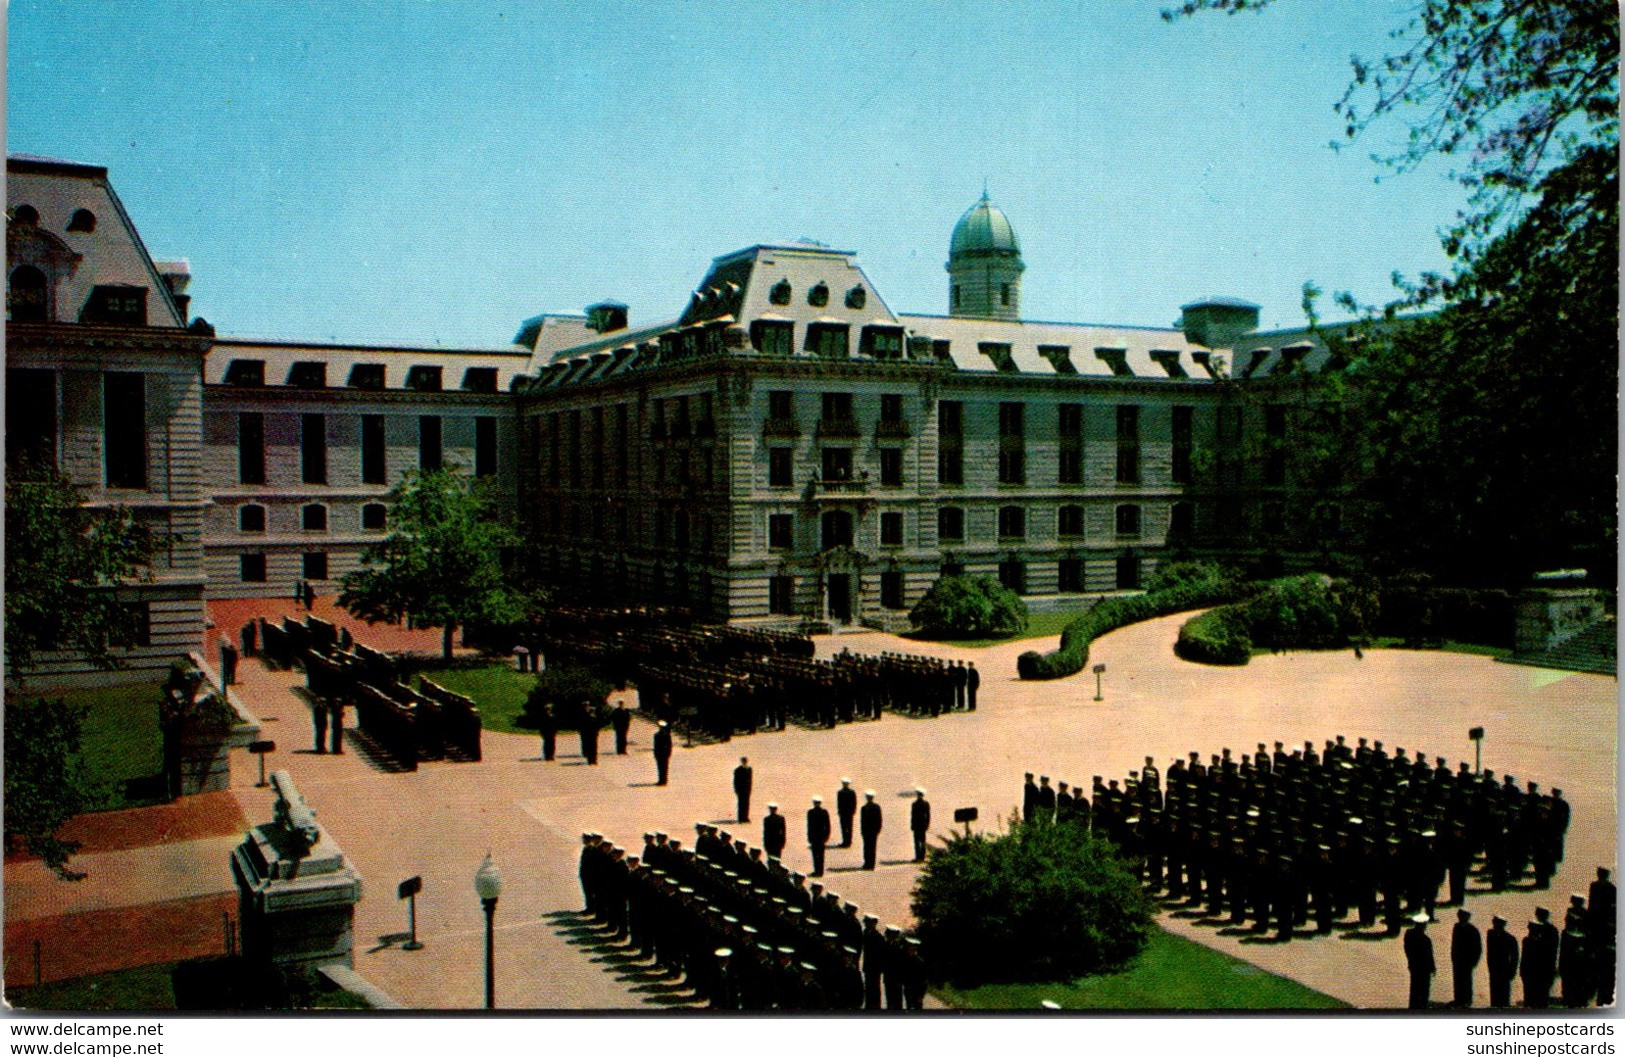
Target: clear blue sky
435,172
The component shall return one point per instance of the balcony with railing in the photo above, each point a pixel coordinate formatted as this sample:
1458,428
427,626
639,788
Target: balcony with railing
781,426
844,488
893,429
845,426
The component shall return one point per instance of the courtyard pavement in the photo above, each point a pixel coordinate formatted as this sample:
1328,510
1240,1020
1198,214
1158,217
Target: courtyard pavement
1557,728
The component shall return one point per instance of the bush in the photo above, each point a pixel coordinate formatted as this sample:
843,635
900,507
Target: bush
1185,585
1412,608
961,607
1040,902
576,693
1310,612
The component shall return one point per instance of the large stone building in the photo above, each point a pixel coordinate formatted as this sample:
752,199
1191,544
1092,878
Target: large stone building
787,447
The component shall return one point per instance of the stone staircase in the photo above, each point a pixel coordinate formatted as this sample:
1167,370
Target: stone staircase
1596,650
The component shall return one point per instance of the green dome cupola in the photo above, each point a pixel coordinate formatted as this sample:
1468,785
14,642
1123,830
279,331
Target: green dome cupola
984,265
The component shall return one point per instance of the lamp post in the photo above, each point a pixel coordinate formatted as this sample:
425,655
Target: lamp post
1099,670
488,883
1477,737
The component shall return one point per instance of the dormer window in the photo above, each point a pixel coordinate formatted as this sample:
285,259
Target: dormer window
27,299
367,376
780,294
828,340
1117,360
424,378
25,214
480,380
771,337
308,374
883,343
249,374
82,220
1060,357
818,296
1168,360
117,306
857,297
999,353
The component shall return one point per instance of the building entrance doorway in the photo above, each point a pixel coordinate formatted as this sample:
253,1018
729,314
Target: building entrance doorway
840,597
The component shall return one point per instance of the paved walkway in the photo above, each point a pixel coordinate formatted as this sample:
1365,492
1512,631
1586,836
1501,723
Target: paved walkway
438,822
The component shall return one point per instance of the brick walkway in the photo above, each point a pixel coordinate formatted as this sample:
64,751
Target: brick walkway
438,822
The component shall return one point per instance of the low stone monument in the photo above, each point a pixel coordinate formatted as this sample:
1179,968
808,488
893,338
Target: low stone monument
296,890
1555,608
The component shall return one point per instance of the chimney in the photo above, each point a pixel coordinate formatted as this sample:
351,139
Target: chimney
177,275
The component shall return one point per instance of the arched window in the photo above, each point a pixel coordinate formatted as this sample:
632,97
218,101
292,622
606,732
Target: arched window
1128,520
780,293
251,518
374,517
315,517
1070,520
1012,522
82,220
25,214
26,296
818,296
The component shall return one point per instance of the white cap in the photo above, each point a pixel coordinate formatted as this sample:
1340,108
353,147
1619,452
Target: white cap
870,793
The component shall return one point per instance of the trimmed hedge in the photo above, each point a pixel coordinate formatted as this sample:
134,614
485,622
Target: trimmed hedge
1315,612
969,607
1187,585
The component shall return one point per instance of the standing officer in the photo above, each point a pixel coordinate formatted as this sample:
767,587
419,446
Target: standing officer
846,807
1419,960
1503,961
621,720
1539,963
973,679
549,727
1466,948
318,717
1029,798
869,825
589,735
919,820
337,725
742,781
662,749
773,832
817,834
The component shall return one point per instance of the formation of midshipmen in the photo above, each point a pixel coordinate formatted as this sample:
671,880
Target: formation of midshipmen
743,931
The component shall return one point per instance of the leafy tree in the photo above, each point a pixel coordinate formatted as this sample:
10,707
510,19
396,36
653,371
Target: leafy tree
64,563
441,563
969,607
1043,901
577,695
1479,442
46,779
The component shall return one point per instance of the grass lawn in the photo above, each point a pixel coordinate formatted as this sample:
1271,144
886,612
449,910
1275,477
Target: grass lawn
122,741
144,987
1171,973
499,689
1039,626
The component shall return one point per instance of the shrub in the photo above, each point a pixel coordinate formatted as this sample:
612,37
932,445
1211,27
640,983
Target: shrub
969,607
1186,585
576,693
1218,636
1415,610
1040,902
1310,612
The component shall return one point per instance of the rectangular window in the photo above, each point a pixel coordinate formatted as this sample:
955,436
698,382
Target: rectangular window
771,337
1012,466
1013,575
883,343
1012,420
251,568
891,467
950,418
135,625
1128,444
1181,457
315,565
891,407
950,523
781,594
779,468
248,374
424,378
827,340
1070,521
119,306
1069,466
1070,578
781,531
250,448
891,529
485,447
480,380
1070,455
1071,422
313,449
30,420
950,466
430,454
837,529
837,464
891,589
1128,521
368,376
1012,522
781,404
124,428
373,469
308,374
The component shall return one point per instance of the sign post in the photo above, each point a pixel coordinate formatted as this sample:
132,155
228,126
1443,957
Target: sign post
408,891
1477,736
967,815
260,748
1099,670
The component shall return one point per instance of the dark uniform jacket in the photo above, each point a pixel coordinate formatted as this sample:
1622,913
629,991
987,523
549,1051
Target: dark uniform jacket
869,819
817,826
919,817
